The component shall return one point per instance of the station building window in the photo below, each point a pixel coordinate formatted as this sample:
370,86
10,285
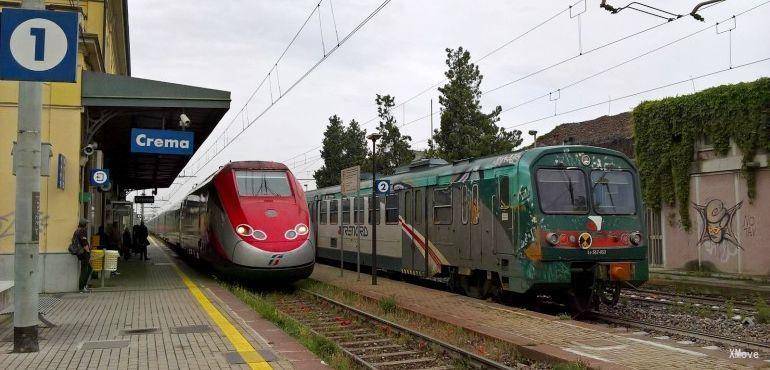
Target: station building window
391,209
442,206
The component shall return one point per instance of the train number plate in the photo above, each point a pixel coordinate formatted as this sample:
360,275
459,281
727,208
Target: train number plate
597,251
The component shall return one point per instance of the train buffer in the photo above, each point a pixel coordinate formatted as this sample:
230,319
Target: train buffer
155,314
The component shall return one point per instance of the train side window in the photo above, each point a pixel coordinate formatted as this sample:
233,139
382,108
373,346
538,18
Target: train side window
504,190
464,204
474,206
359,211
442,206
333,212
372,215
419,207
323,210
345,211
391,209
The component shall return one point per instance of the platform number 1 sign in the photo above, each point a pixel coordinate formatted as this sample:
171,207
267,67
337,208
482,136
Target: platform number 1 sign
38,45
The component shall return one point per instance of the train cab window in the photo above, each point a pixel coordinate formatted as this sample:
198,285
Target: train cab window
562,191
372,215
358,211
613,192
442,206
333,211
391,209
262,183
345,211
323,211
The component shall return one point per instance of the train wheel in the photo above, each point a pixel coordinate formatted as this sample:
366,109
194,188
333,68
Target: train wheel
609,293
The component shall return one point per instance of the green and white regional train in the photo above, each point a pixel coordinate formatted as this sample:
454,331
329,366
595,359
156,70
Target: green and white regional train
563,220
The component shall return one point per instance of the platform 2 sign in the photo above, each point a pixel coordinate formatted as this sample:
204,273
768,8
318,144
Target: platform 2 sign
162,142
38,45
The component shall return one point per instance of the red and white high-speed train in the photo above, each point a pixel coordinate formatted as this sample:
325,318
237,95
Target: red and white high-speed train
248,219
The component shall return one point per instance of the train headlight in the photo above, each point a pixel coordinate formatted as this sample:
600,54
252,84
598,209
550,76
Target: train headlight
552,238
301,229
259,235
244,230
636,238
291,234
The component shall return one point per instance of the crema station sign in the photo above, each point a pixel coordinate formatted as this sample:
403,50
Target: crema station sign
162,142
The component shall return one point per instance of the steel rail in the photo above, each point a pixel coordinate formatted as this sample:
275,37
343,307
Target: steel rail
450,349
744,344
674,298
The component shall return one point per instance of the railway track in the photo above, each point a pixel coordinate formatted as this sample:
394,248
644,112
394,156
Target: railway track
671,299
726,342
373,342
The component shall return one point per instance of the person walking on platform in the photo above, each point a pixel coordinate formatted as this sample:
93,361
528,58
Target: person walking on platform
142,241
80,239
127,244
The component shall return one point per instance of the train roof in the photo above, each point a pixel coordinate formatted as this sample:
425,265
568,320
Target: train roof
431,172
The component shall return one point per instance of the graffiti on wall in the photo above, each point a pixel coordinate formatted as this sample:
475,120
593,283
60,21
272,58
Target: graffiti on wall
749,226
7,225
717,235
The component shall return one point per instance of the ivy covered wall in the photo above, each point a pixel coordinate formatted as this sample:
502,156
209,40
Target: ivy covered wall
666,130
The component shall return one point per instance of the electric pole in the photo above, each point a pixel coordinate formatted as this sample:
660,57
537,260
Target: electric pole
27,223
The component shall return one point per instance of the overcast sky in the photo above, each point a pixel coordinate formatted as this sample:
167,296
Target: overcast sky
231,45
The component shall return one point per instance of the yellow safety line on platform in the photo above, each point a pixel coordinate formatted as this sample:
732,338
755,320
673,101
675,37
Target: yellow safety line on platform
241,344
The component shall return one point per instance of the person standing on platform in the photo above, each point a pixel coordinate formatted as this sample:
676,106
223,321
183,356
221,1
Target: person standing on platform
135,246
142,241
84,256
127,244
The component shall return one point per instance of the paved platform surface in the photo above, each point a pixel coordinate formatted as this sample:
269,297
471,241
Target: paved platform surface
172,329
539,335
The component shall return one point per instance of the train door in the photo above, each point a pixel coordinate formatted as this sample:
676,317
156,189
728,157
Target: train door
474,218
408,252
464,246
504,216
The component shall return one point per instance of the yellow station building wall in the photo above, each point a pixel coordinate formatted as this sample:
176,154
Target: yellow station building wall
62,126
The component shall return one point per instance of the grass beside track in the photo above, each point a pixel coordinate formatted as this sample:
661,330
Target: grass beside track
264,305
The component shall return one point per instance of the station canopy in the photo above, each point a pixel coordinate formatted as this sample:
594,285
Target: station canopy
115,104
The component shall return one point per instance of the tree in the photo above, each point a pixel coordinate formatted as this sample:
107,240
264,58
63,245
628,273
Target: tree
465,131
393,149
342,147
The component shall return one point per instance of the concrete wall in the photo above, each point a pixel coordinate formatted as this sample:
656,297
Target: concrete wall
728,229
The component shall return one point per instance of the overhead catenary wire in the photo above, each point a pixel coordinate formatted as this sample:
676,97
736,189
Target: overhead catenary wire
331,51
690,79
531,74
483,57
